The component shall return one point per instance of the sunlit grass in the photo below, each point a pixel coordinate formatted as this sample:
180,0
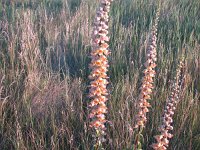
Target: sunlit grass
44,61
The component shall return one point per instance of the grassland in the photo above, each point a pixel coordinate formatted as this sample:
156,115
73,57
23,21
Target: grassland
44,57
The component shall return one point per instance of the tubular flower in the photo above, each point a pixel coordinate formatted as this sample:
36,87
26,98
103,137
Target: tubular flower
99,67
167,120
149,74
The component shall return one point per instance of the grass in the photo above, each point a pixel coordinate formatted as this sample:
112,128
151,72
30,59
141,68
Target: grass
44,49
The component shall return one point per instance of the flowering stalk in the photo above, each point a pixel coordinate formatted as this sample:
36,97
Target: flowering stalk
99,67
149,74
167,120
147,82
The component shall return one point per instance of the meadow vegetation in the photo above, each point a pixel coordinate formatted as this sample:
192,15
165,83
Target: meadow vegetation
44,68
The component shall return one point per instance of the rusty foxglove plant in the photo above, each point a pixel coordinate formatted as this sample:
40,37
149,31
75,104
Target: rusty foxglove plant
99,66
162,140
147,86
148,78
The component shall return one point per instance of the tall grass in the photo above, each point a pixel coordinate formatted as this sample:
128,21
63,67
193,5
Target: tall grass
44,49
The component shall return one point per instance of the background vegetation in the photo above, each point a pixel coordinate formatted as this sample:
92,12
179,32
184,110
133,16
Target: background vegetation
44,49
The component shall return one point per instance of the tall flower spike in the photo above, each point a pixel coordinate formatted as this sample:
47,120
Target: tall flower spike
99,67
149,74
167,119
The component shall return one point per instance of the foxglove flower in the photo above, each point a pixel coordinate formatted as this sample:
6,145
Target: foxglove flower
99,67
162,140
147,81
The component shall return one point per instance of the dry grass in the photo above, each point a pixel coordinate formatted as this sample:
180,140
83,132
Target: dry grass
44,49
